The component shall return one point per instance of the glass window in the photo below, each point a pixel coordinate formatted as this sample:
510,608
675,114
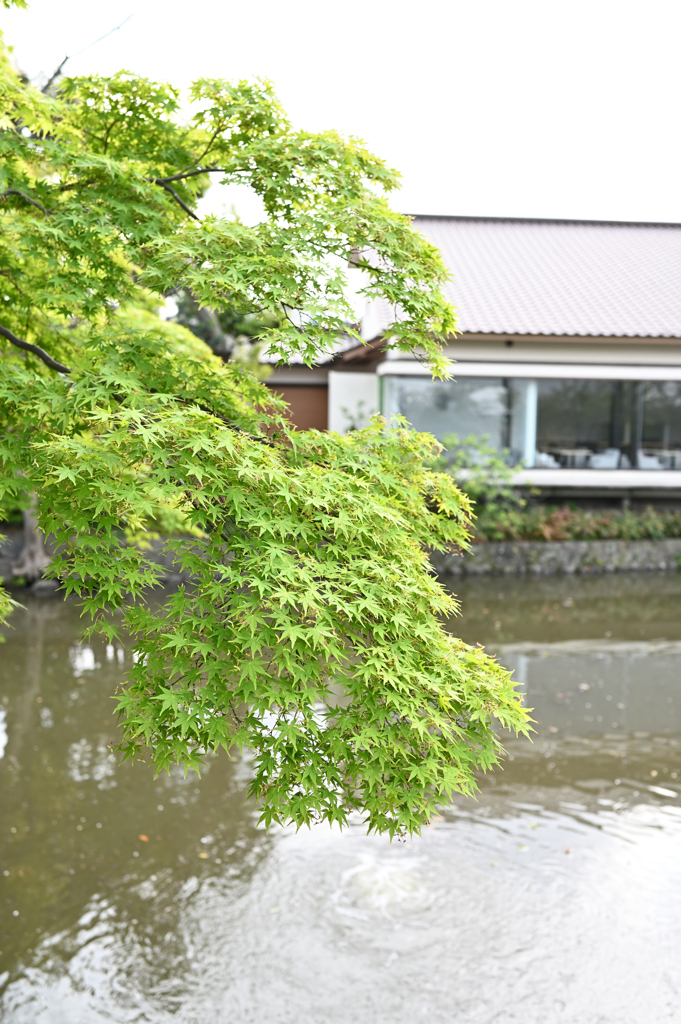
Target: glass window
661,431
584,424
588,423
574,414
470,405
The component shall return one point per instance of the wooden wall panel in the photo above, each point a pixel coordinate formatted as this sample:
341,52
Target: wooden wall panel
309,404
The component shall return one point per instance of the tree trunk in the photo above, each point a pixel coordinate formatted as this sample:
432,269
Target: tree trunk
33,559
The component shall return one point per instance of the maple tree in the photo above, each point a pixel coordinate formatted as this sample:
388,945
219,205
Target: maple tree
311,630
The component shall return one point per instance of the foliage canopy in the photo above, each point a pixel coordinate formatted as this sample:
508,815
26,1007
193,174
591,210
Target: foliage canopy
311,630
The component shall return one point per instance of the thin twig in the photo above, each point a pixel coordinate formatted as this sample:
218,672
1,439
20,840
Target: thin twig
77,184
35,349
56,74
210,142
33,202
227,422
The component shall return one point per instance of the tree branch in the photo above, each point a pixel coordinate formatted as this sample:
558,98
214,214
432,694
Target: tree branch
35,349
76,184
188,174
164,184
212,139
54,76
33,202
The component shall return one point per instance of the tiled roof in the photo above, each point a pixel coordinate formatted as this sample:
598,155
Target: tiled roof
552,277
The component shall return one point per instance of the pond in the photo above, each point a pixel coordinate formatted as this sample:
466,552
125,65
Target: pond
556,896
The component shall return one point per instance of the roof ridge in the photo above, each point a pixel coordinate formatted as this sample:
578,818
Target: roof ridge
546,220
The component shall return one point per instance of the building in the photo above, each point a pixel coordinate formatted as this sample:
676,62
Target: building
569,356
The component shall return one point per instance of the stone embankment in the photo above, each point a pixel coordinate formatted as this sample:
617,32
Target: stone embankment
545,558
501,558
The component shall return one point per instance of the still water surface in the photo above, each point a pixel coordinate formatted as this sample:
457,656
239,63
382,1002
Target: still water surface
554,897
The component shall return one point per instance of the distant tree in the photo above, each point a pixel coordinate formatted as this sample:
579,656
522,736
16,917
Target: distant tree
230,334
312,630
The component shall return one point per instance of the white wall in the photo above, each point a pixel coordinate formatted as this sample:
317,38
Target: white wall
353,399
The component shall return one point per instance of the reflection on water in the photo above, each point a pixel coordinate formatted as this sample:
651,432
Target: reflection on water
555,896
588,687
624,606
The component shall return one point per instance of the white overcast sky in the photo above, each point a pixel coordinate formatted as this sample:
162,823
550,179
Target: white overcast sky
537,108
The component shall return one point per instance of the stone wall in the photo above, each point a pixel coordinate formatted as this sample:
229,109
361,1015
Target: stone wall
547,558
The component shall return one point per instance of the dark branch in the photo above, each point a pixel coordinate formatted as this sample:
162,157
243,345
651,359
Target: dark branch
77,184
35,349
187,209
188,174
292,322
54,76
33,202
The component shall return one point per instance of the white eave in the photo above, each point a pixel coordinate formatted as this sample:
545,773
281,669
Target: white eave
536,371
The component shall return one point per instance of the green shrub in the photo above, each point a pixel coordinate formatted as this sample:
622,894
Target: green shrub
482,473
501,513
549,522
